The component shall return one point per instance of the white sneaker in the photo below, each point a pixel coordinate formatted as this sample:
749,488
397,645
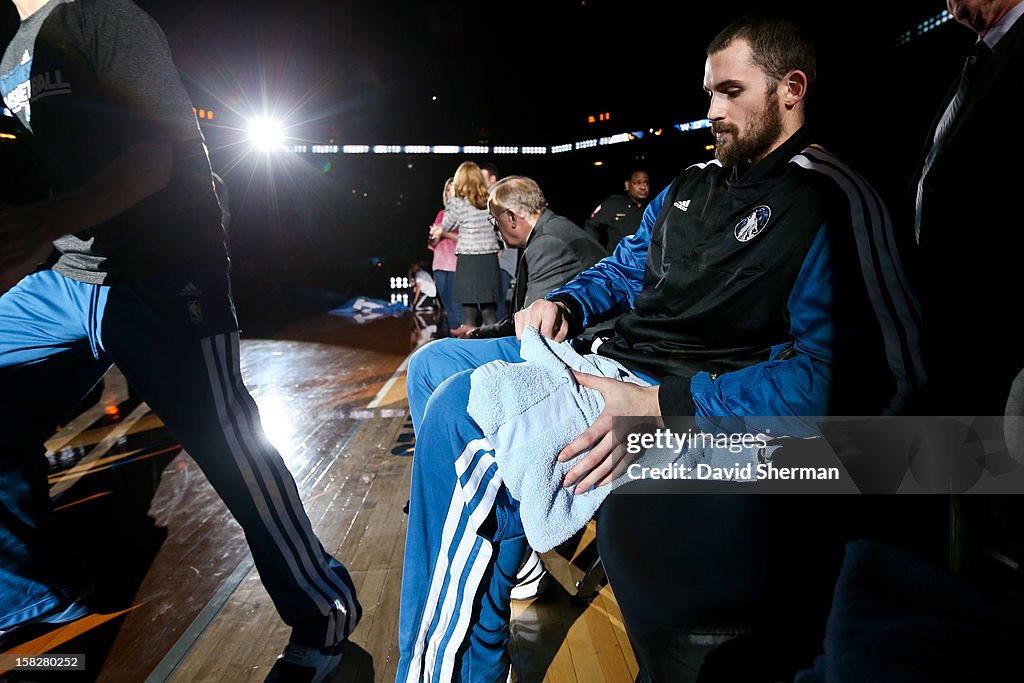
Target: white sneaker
531,579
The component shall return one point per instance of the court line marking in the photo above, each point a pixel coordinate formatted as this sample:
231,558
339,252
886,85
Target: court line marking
191,636
99,450
390,383
188,639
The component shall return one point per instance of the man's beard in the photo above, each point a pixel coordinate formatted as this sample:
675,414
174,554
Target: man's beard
764,130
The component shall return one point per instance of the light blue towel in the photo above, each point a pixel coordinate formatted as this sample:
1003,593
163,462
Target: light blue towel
529,412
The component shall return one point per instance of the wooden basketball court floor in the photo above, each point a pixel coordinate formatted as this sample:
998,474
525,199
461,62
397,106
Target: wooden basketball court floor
179,597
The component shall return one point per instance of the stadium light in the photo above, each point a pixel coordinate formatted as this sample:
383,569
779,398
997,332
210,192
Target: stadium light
266,134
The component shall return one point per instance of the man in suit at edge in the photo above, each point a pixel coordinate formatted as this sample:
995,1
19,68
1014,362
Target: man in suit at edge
968,249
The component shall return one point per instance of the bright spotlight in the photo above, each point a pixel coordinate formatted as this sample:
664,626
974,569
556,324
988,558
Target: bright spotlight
266,134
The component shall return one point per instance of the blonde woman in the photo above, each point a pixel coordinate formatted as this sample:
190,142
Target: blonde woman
477,282
445,262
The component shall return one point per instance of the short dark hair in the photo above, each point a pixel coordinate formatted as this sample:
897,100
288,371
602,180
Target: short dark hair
778,45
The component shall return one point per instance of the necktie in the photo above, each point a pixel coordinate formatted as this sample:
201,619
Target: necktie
972,66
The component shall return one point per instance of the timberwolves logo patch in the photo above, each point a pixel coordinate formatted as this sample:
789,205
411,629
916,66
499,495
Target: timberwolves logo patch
753,225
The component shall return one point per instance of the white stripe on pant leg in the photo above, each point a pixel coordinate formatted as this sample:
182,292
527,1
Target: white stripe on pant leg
256,495
448,602
456,509
479,514
266,457
222,397
310,553
458,636
451,520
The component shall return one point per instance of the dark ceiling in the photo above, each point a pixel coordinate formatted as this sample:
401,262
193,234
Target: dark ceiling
527,72
517,72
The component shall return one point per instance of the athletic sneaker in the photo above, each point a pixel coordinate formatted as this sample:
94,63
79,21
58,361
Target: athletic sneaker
301,664
531,579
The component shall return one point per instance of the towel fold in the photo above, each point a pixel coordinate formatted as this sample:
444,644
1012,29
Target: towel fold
529,412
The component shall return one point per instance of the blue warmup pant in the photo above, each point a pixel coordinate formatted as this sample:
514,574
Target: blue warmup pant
465,541
463,546
175,338
435,362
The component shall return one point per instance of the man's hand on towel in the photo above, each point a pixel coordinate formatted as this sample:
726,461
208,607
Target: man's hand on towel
551,319
606,438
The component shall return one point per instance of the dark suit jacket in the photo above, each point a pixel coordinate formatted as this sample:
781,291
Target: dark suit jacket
557,251
972,242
